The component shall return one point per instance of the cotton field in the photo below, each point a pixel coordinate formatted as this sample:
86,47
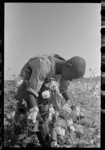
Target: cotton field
84,93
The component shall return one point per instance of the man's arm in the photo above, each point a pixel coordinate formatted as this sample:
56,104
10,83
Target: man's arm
26,71
64,90
66,95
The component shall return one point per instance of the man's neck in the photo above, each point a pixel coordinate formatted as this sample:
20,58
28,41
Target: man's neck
59,66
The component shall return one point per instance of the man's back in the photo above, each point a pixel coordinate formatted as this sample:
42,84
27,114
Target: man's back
44,62
38,69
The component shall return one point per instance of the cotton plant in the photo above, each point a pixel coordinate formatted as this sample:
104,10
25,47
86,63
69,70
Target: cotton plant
58,132
68,118
53,85
53,90
66,109
61,129
67,112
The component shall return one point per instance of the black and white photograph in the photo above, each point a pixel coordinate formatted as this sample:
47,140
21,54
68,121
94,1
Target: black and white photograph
52,75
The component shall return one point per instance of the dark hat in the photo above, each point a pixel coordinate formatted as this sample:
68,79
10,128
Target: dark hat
78,64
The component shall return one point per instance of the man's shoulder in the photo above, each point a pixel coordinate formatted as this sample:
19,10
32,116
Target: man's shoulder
59,57
47,56
56,56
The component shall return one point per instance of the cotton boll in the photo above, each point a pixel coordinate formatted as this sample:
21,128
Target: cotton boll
53,85
46,94
34,109
33,117
29,117
78,110
67,146
60,131
54,144
33,114
92,141
72,128
51,110
50,117
13,114
70,122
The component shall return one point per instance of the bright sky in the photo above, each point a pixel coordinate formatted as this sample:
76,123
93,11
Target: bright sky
68,29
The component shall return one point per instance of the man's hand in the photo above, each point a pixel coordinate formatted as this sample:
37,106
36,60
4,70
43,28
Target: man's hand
67,108
51,113
71,104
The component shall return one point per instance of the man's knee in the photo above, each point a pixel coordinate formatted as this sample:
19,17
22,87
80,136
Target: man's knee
30,99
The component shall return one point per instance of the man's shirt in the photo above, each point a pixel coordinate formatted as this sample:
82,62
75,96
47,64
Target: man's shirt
37,69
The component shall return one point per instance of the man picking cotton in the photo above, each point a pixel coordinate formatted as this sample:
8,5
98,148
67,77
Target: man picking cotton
38,69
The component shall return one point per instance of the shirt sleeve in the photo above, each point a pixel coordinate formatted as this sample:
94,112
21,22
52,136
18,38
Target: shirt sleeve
26,71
